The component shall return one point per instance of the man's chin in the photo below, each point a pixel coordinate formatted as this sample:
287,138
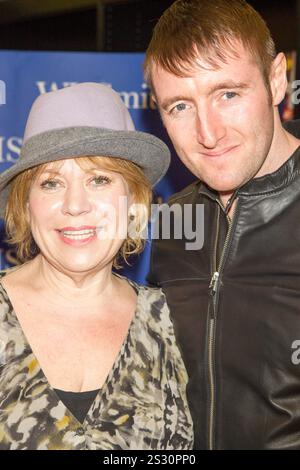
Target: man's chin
224,189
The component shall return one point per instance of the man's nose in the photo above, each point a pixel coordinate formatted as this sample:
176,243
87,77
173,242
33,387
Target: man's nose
76,200
209,128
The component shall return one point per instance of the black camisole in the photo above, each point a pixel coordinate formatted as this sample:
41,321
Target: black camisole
78,403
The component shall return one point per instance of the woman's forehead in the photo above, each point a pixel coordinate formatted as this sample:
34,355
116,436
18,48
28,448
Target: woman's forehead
82,166
83,163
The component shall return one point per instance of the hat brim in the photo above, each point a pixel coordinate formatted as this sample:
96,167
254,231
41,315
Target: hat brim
147,151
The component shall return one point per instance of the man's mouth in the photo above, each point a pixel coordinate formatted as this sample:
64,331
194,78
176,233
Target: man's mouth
220,152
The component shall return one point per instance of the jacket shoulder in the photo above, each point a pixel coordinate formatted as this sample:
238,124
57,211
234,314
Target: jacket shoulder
186,193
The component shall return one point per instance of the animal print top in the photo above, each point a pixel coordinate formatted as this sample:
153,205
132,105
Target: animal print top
142,404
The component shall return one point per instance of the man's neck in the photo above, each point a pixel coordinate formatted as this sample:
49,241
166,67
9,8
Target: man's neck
283,146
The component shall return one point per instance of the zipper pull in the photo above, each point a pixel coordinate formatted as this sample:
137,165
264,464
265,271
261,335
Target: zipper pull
214,283
230,202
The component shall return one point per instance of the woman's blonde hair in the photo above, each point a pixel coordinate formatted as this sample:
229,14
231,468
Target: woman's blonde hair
18,227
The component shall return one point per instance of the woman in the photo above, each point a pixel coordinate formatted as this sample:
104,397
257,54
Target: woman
88,358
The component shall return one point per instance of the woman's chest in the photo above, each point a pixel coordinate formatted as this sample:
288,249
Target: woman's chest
75,352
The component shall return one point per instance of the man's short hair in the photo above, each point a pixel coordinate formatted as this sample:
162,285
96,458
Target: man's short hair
208,29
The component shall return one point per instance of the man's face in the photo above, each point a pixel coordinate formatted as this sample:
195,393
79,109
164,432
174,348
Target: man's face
221,121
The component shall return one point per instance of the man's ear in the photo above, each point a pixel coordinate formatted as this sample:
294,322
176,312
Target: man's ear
154,105
153,101
153,98
278,79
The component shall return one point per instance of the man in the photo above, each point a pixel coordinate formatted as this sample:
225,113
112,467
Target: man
217,81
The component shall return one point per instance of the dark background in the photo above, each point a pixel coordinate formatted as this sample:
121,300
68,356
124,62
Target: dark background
116,25
113,25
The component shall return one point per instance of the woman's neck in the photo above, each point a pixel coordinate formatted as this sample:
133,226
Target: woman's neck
77,289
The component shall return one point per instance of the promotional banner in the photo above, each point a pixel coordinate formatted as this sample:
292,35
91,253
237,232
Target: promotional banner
25,75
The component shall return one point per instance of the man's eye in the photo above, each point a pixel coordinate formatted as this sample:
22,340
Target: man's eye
229,95
179,107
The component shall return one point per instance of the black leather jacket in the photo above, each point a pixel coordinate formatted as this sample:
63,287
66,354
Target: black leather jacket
237,332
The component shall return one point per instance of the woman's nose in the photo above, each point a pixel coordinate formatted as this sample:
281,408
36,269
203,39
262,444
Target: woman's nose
76,200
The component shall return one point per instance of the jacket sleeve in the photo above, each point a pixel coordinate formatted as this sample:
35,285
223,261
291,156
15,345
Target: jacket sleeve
152,278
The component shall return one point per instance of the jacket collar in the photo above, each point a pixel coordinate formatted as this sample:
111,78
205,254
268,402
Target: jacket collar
267,183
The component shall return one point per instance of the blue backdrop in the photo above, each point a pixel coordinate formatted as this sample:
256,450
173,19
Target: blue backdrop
25,75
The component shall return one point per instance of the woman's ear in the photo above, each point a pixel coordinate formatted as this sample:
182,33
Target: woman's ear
131,210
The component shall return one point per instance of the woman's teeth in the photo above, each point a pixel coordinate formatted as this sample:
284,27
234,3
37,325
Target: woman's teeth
78,234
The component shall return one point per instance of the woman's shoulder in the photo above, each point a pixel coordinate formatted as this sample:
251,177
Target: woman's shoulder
154,295
4,272
3,294
6,309
151,303
138,287
151,296
13,279
158,327
153,309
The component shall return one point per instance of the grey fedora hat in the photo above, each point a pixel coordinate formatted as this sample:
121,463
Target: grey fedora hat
87,119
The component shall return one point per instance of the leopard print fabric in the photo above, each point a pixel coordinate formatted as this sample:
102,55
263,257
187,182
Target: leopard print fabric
142,404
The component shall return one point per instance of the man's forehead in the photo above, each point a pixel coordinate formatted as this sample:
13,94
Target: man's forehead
209,78
200,66
231,53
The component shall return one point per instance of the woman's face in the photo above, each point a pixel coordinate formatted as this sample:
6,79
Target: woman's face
78,217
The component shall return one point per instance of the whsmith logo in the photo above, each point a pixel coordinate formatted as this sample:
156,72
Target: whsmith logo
132,99
10,149
2,92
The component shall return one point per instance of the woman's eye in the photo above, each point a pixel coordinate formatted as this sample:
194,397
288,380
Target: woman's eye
54,184
49,184
100,180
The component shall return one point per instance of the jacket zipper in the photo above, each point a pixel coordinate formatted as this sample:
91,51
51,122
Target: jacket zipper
214,290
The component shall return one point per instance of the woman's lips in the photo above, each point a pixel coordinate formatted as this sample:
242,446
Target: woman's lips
82,227
84,240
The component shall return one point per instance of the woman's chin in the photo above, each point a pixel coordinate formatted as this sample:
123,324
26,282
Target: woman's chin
80,265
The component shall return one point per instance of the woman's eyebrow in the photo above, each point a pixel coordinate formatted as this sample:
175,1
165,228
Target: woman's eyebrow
56,172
